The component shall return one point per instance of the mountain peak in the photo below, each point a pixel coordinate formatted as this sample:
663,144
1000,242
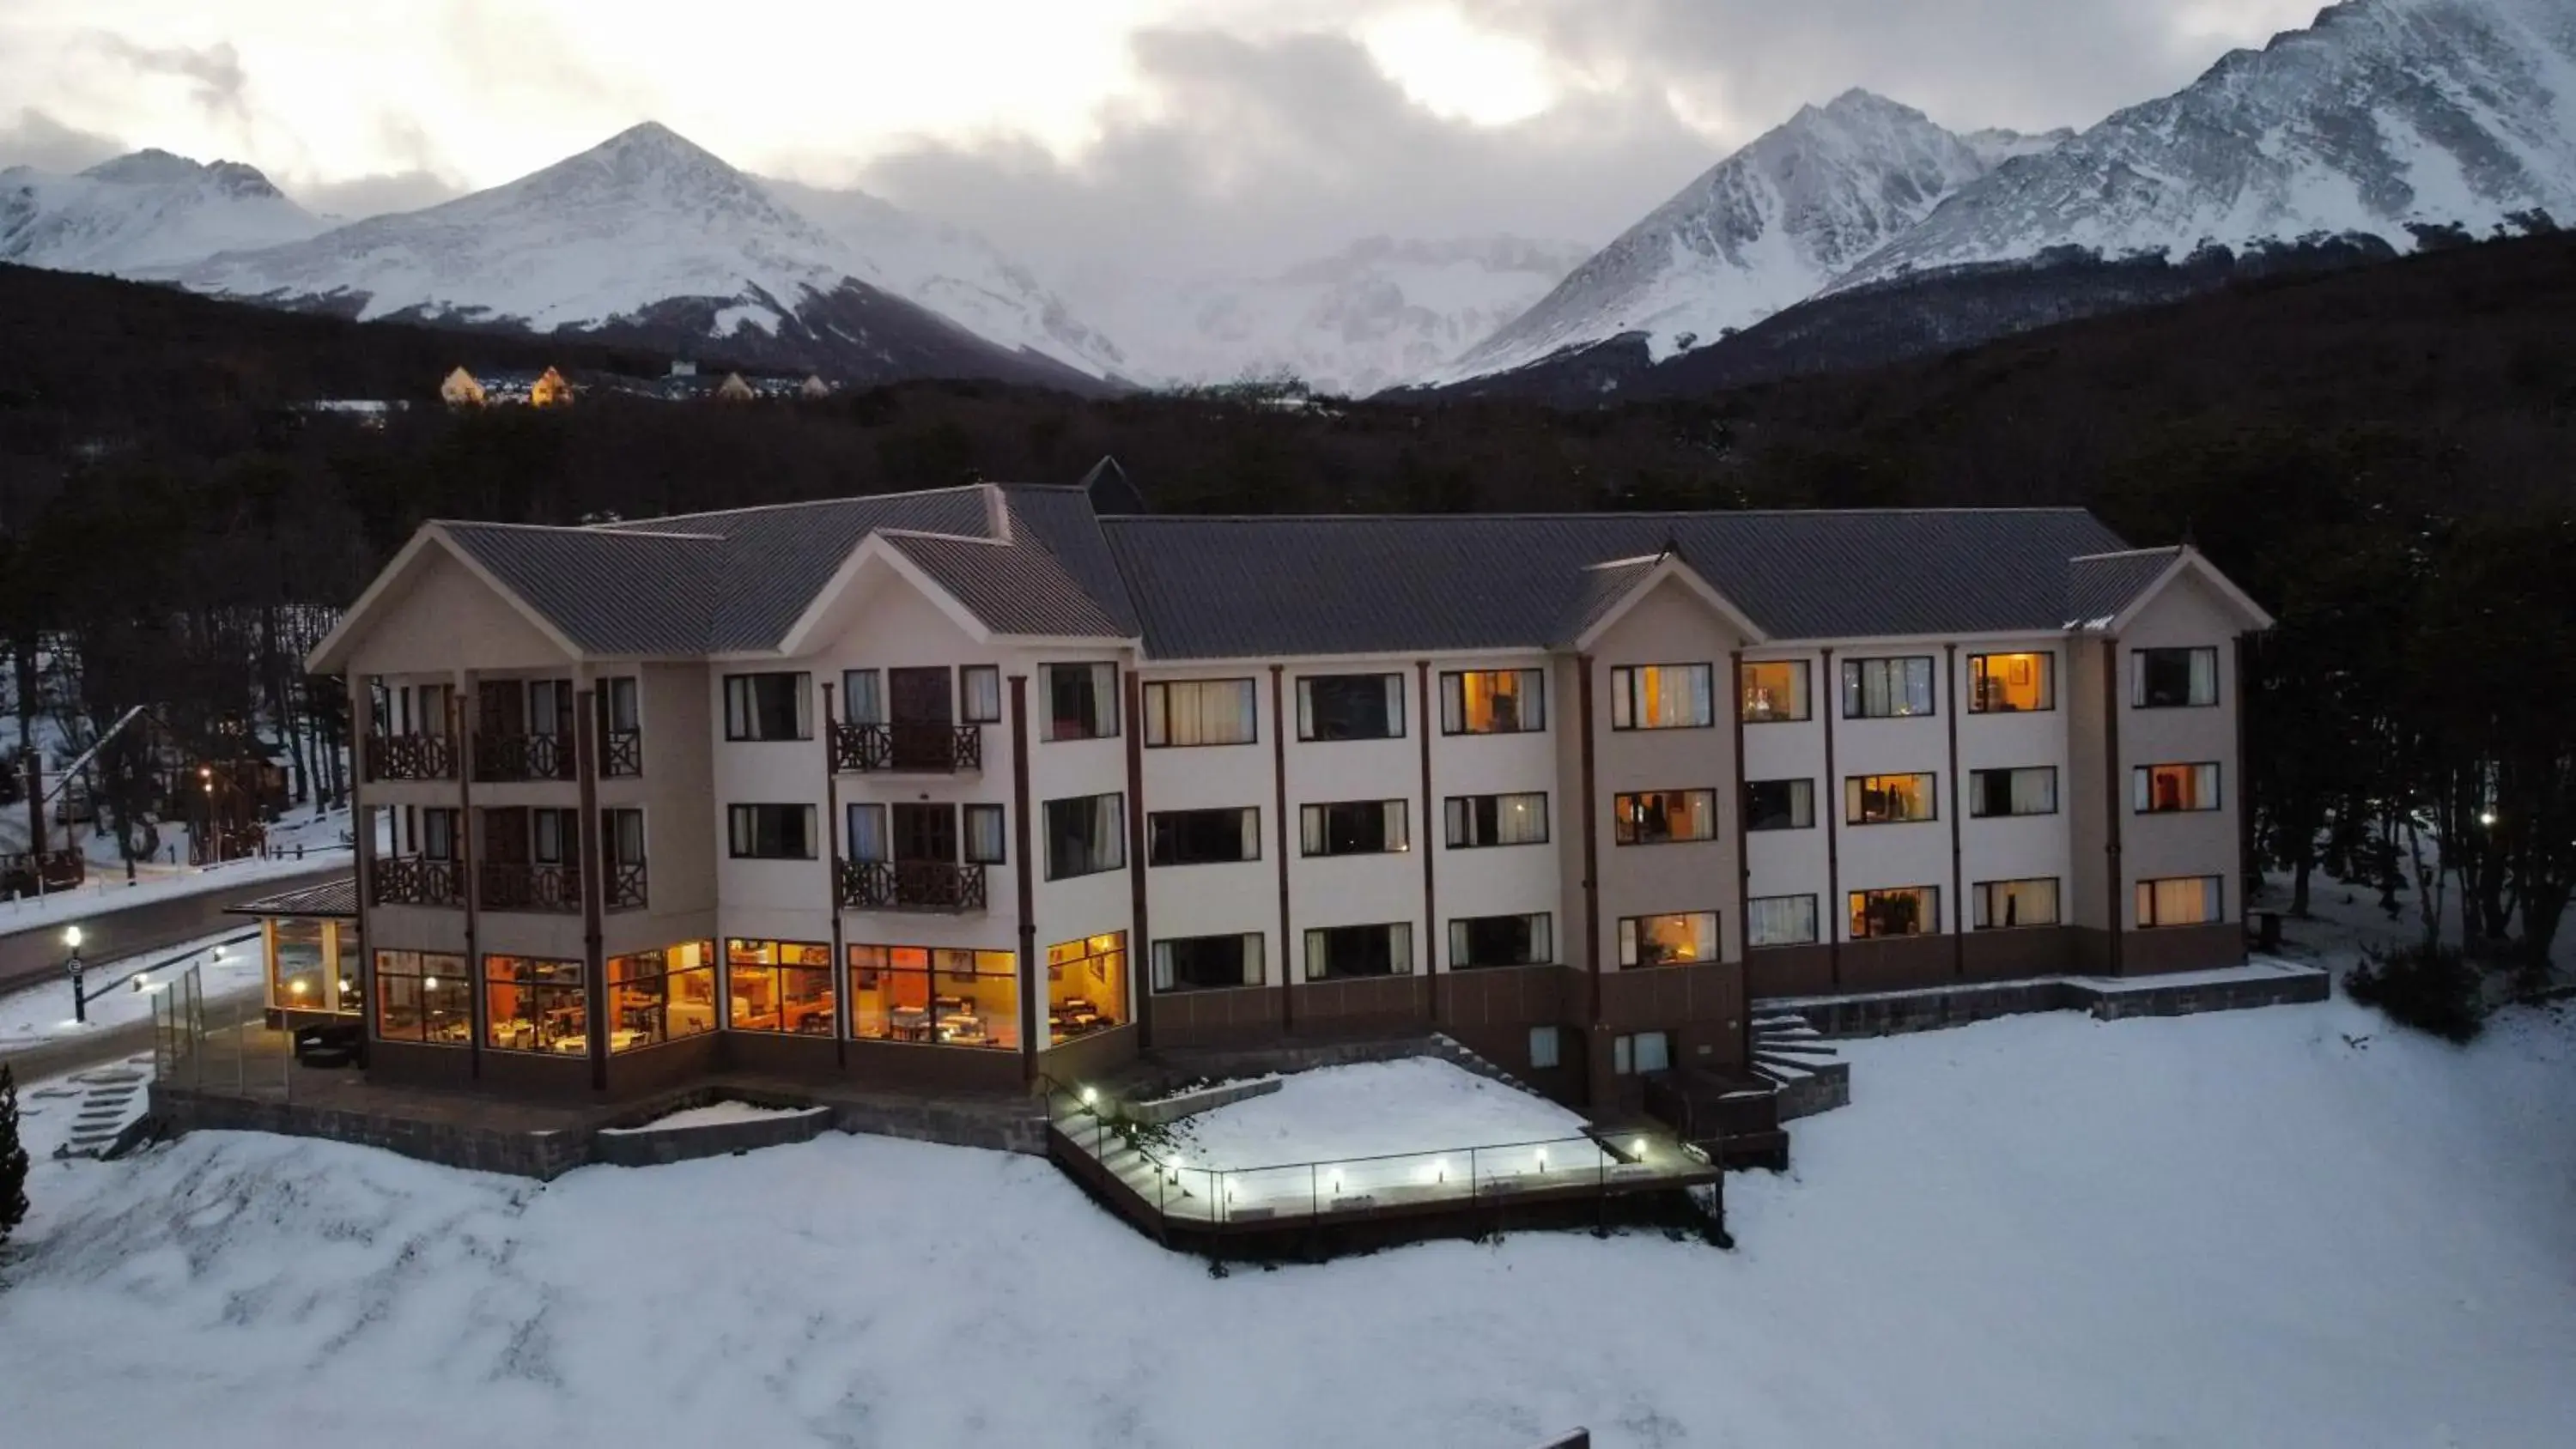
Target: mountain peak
153,166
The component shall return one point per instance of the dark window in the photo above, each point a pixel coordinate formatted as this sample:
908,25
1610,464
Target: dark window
1913,911
1336,952
1350,707
1086,836
984,836
1202,837
1207,963
2031,791
771,832
621,836
2174,678
1354,827
1081,700
1779,804
1500,941
767,707
1478,820
622,707
1887,688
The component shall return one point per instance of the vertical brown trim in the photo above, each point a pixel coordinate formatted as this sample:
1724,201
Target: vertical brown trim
1140,946
1291,960
2112,794
1024,879
841,992
1832,707
457,718
589,710
1958,811
362,718
1591,852
1432,934
1743,864
2244,801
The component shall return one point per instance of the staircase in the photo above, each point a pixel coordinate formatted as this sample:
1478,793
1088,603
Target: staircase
1807,1070
101,1103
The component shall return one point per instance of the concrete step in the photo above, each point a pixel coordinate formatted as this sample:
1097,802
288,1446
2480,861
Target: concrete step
1818,1050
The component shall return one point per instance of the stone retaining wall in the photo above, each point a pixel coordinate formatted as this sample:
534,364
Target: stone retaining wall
2106,999
177,1111
1164,1111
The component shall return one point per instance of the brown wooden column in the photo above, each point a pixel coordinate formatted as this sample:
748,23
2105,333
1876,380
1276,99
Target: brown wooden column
1024,880
1829,709
2244,801
1431,932
362,837
1139,946
1591,857
1743,866
588,708
1291,960
468,866
2112,794
841,993
1958,808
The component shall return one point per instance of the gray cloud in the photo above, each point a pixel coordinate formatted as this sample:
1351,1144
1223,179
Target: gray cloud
222,86
360,197
37,139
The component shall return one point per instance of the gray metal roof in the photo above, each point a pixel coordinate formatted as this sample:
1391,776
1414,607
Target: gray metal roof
331,898
1242,587
1021,590
609,593
2098,588
1062,519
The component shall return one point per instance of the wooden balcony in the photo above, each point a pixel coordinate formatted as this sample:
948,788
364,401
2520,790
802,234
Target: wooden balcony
416,880
922,749
530,887
500,758
626,886
411,757
621,754
911,885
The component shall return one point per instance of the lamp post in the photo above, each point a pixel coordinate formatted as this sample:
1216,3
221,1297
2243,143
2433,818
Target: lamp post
80,1004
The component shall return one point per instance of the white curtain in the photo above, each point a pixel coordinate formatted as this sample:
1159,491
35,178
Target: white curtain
2190,900
2005,904
983,693
1202,712
2034,792
1781,920
862,701
867,832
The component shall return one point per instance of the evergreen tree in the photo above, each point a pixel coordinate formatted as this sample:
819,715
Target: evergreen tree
13,1159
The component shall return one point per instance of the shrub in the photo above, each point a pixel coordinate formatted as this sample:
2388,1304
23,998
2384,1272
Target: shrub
2430,988
13,1159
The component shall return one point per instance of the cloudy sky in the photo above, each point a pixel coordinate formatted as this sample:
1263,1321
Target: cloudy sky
1248,133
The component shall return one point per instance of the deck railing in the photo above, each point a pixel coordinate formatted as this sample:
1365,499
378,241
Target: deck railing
935,749
411,757
626,886
911,885
416,880
530,887
621,754
502,757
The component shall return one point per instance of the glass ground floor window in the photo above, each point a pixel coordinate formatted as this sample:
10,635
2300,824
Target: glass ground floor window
304,970
423,996
662,995
780,986
935,996
1086,986
534,1005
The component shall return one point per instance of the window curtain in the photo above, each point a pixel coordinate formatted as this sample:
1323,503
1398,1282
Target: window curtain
984,834
1675,696
1395,706
862,697
983,694
867,832
1204,712
1781,920
2204,676
2034,792
2181,901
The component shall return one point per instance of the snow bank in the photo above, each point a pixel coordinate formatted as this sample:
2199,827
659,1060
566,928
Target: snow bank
714,1114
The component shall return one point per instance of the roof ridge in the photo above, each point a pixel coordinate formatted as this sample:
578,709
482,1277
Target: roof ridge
577,530
2125,553
2071,510
625,524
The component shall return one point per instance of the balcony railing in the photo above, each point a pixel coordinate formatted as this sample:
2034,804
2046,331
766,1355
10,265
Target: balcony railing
531,887
522,757
940,749
411,757
625,886
621,754
911,885
416,880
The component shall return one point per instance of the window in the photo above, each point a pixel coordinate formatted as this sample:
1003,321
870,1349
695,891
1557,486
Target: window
1476,941
660,996
1544,1047
438,836
1203,837
1086,986
779,986
1207,963
1676,940
2173,678
771,832
1889,799
1081,700
2163,789
2031,791
1779,804
1184,712
531,1005
1481,820
2011,683
2190,900
1647,1051
1780,921
1887,688
1350,707
621,835
299,968
2002,905
1493,702
1337,953
1086,835
981,687
554,836
767,707
1354,827
622,707
935,997
863,696
1912,911
1662,817
868,833
984,838
1661,697
1775,691
423,996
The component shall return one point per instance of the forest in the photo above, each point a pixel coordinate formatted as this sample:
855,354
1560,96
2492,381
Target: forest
2381,455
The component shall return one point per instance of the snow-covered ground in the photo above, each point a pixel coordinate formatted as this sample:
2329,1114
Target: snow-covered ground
323,839
2296,1226
43,1012
715,1114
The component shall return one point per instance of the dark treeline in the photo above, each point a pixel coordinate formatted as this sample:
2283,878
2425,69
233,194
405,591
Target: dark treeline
2381,456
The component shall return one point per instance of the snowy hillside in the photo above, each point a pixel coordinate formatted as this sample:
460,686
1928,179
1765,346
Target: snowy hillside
1761,230
2385,115
139,212
1375,314
953,272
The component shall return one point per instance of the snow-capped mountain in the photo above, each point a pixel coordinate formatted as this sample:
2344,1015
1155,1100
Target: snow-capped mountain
645,236
147,210
1759,231
2383,116
954,272
1380,312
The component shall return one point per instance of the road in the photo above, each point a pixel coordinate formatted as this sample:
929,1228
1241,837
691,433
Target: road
115,1043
